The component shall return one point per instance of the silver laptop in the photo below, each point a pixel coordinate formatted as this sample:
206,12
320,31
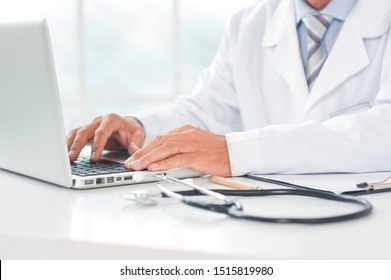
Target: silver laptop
32,136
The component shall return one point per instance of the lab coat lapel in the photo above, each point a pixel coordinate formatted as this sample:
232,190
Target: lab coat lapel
281,36
349,55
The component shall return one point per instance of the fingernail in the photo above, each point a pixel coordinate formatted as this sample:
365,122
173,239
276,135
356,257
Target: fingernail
153,166
128,162
136,163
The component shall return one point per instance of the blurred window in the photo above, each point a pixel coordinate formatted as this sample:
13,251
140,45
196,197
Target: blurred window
126,55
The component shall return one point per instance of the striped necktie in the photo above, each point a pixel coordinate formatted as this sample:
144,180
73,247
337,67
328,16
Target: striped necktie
316,26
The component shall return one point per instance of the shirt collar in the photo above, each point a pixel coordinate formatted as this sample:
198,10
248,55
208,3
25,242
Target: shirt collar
338,9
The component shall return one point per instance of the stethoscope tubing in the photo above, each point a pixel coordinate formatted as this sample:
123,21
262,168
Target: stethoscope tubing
366,208
235,212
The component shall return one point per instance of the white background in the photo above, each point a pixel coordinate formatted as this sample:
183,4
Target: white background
125,55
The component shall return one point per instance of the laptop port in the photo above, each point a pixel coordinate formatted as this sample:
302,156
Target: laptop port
127,178
118,179
88,182
110,180
100,181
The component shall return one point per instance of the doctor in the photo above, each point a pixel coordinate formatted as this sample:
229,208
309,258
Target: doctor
298,86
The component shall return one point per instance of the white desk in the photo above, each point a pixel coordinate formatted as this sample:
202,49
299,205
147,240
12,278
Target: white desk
39,220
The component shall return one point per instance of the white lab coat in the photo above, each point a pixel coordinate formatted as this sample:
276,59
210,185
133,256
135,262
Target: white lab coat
255,92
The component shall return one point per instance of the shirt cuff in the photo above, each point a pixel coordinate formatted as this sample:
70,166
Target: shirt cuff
243,153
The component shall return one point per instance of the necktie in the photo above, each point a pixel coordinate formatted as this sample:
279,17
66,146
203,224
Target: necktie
316,26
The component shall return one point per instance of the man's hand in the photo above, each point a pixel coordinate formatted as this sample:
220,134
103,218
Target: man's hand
111,132
186,147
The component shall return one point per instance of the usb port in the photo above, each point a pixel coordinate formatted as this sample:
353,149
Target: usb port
127,178
100,181
118,179
110,180
88,182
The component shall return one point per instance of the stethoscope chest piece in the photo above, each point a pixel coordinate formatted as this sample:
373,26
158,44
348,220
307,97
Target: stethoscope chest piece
144,197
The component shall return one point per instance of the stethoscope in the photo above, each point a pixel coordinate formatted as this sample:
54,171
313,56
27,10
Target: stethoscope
233,208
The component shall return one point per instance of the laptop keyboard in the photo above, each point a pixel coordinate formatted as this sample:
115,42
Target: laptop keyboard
84,167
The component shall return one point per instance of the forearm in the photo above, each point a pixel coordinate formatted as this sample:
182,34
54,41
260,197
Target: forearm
354,143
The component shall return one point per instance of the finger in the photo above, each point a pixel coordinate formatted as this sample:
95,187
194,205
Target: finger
139,153
101,135
166,138
194,161
83,135
132,149
177,161
141,159
136,143
183,128
180,143
70,137
167,149
132,141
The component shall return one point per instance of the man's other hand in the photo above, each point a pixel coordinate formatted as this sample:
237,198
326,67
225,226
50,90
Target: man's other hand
186,147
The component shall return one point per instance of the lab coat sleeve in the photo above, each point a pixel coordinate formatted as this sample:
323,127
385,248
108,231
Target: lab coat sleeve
212,106
358,142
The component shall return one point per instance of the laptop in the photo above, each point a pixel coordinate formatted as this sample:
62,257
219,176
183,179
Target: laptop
32,135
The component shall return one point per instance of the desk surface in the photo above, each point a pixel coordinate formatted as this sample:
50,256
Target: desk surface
40,220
